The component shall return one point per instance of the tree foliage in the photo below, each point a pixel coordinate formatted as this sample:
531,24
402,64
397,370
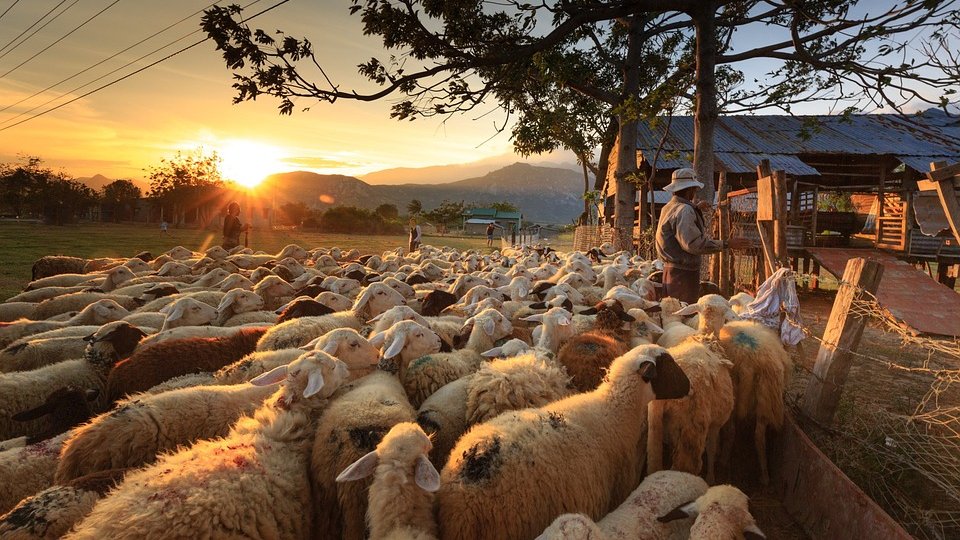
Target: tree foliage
414,207
294,213
505,206
30,189
120,198
187,183
446,214
387,211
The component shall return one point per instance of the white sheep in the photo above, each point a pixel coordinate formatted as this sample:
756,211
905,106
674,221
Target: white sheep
674,330
722,512
511,476
406,341
636,518
401,495
274,291
374,300
240,307
27,470
251,483
24,390
11,311
97,313
187,312
739,301
28,354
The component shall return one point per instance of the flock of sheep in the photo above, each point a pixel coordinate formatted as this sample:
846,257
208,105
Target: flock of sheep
323,394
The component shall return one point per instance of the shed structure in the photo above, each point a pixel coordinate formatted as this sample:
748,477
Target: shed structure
475,220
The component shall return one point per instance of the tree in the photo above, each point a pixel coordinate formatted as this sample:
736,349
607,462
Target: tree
61,200
121,197
187,183
295,212
19,182
387,211
414,207
450,57
504,206
448,213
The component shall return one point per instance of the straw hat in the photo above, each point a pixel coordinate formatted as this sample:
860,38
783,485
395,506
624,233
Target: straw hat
683,179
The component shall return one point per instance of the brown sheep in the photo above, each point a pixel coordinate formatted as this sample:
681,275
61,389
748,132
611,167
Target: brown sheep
168,359
588,356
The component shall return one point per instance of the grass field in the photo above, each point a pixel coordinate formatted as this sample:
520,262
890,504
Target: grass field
23,243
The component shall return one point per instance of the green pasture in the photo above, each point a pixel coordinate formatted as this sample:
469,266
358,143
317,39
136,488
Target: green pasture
23,243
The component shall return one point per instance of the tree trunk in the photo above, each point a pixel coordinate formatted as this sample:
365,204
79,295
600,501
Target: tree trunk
625,205
586,186
705,116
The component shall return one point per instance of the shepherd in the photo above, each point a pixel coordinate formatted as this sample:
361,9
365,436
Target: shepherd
415,234
682,238
232,227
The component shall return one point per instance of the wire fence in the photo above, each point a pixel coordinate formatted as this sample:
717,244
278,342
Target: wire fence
906,457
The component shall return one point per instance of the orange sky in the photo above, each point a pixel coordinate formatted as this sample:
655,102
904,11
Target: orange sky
186,101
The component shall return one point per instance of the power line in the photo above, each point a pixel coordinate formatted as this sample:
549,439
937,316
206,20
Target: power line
111,57
65,36
15,2
144,68
45,15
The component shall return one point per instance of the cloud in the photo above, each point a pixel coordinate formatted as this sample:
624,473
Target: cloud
313,162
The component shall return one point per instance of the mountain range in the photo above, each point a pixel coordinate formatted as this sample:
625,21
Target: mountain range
543,194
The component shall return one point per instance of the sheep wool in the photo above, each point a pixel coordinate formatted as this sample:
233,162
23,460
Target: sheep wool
721,512
443,416
252,483
585,454
27,470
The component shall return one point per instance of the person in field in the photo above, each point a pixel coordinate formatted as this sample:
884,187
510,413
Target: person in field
232,227
415,235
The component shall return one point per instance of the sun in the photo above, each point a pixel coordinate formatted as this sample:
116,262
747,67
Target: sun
248,163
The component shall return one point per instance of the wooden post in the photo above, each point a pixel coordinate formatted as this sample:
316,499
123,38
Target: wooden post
780,218
841,336
942,179
723,217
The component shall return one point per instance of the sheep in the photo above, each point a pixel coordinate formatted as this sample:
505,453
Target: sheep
99,312
185,332
406,340
187,312
529,379
24,390
398,507
337,302
637,517
211,298
691,425
52,265
222,487
27,470
435,302
67,407
425,375
39,295
643,328
76,302
444,416
59,280
674,331
234,281
11,311
722,512
349,428
149,425
52,512
740,301
587,356
27,354
556,328
237,302
150,366
274,291
374,300
302,307
585,451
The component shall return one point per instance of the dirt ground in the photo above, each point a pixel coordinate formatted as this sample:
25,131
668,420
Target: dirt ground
875,393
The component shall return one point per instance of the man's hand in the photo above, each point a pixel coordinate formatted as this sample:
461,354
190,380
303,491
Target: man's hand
738,242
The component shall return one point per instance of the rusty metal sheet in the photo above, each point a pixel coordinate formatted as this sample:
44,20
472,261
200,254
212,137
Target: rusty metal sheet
929,213
820,497
910,295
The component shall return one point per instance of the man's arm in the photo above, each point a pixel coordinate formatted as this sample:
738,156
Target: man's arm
691,238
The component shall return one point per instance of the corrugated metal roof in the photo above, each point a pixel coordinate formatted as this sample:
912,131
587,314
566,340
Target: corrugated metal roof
740,141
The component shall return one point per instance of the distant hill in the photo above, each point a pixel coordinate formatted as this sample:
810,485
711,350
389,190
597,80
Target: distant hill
97,181
544,194
445,174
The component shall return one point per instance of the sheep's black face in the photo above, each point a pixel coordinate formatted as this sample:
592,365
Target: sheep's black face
666,378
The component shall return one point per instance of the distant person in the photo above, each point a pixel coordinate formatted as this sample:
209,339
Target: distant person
163,227
513,234
415,235
232,227
490,229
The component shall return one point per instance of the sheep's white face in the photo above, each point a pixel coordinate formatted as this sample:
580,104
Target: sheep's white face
401,287
378,298
564,290
334,301
345,286
213,276
180,253
492,323
396,314
325,261
408,339
273,288
107,310
137,265
544,272
576,281
294,251
241,301
260,274
187,312
714,312
217,252
235,281
350,347
173,268
318,373
291,264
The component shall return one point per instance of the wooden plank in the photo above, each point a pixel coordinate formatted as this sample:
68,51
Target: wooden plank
841,336
948,195
764,228
765,198
939,173
723,219
781,218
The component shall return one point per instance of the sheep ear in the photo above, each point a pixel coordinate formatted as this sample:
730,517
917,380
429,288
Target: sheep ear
227,301
375,319
589,311
563,321
538,305
314,383
426,475
732,315
538,318
396,345
311,345
362,299
653,309
626,317
273,376
492,353
377,339
33,414
653,327
330,347
467,325
692,309
489,326
685,510
360,468
175,313
750,532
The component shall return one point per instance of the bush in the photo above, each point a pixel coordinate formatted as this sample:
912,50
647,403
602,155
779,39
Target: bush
350,219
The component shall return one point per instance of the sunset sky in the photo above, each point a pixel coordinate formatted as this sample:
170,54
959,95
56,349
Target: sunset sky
186,101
